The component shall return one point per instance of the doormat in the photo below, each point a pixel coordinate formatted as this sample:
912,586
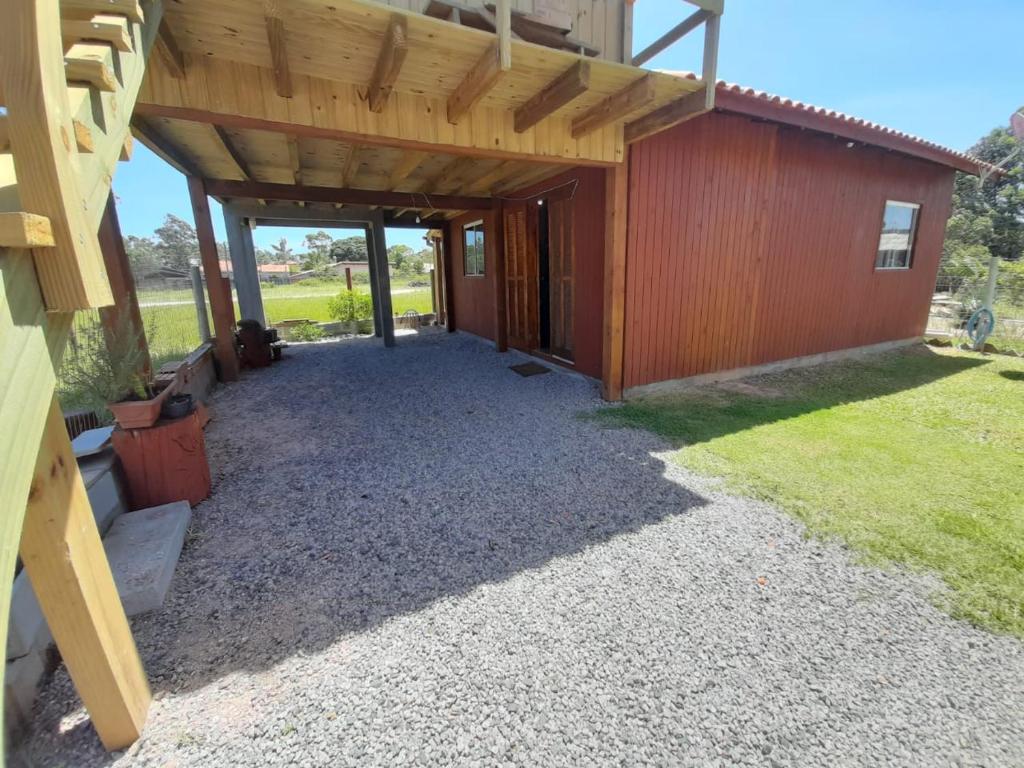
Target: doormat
530,369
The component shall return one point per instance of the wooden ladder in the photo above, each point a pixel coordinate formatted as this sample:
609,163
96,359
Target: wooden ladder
70,72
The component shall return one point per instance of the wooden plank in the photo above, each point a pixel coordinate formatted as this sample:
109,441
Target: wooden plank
634,96
91,63
677,32
105,27
39,121
25,230
480,79
169,52
163,148
379,254
279,56
616,180
392,55
220,305
232,149
709,69
351,167
127,148
266,191
70,575
448,273
503,29
689,106
555,95
87,9
498,270
83,137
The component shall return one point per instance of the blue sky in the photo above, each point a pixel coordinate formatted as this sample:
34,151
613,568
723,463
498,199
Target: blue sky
945,71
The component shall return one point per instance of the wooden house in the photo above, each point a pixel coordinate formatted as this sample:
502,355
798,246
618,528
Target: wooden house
636,225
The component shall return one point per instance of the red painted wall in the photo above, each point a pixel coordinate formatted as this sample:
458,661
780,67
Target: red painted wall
588,230
750,242
474,296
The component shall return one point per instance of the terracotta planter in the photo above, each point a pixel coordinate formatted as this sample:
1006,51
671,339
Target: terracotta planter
135,414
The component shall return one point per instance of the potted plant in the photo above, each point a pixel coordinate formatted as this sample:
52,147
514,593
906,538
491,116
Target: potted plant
113,375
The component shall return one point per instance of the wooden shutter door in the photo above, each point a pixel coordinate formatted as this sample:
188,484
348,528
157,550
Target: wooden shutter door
521,277
562,270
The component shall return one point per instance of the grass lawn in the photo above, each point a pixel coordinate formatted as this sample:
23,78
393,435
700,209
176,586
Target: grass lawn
913,457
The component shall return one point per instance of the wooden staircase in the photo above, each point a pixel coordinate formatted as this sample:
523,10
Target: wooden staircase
70,72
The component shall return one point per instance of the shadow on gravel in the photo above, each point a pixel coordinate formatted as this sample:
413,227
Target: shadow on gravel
355,484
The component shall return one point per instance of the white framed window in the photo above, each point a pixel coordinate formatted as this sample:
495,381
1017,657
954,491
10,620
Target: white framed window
473,249
896,243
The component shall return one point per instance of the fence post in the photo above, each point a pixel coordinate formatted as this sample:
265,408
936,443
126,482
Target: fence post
990,287
200,301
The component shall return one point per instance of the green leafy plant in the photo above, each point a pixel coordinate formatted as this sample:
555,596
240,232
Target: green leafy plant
360,278
350,305
307,332
109,365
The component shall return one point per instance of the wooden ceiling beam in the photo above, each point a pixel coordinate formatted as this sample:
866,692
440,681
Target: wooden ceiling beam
232,149
389,62
555,95
637,94
255,190
351,168
407,163
671,114
480,79
501,171
162,147
169,52
278,52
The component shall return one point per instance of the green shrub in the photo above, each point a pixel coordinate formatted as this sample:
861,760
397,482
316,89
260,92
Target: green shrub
307,332
350,305
361,278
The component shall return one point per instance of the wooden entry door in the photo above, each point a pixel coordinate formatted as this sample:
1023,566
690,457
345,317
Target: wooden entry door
561,276
521,276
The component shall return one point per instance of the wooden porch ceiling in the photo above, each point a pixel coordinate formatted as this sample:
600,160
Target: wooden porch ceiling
375,97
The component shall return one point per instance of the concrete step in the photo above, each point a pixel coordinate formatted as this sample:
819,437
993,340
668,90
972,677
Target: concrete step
143,549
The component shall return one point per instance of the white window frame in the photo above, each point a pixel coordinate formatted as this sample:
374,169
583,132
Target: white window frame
912,244
483,257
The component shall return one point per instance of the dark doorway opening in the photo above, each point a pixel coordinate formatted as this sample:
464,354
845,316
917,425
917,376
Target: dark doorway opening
544,274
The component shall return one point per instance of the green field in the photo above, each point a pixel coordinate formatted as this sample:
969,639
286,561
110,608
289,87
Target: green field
914,458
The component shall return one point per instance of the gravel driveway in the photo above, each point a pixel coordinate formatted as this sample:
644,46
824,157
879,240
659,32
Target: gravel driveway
416,556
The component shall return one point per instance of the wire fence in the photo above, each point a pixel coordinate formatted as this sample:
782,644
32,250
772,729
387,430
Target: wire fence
957,297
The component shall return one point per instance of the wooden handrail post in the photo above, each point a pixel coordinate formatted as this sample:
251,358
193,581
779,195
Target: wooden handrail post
616,203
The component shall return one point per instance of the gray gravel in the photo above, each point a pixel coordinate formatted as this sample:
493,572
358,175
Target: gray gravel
416,556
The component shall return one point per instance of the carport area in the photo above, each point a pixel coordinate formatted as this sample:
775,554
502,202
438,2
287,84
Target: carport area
419,557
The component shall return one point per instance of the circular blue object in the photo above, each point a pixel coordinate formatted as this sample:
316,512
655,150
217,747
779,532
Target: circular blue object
980,326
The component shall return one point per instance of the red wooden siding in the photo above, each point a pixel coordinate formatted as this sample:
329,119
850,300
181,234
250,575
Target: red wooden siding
473,296
750,242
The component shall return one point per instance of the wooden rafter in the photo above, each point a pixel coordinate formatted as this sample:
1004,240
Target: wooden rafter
393,51
24,230
86,9
480,79
163,148
675,112
555,95
169,52
276,38
232,149
91,63
637,94
487,180
350,169
407,163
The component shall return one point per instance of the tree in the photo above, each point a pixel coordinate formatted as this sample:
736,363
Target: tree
316,261
177,244
398,255
987,219
349,249
318,246
142,254
281,250
264,256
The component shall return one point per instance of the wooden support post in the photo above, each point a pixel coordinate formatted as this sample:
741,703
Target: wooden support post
379,255
500,318
371,264
122,282
244,268
449,276
616,203
71,577
221,306
348,278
